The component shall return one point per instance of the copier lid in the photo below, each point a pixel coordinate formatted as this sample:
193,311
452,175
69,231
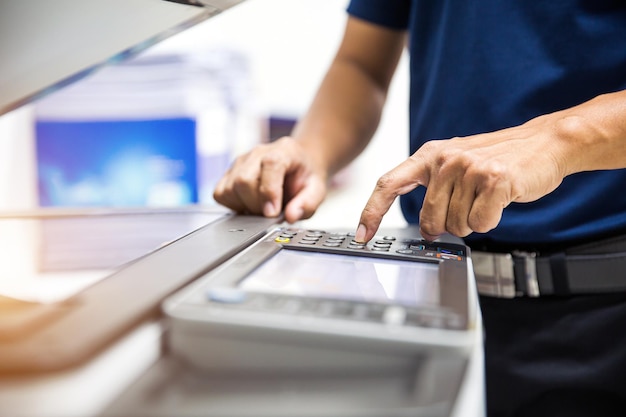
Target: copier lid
45,45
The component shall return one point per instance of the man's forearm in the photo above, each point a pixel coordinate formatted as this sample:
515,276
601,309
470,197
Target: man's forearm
342,118
347,108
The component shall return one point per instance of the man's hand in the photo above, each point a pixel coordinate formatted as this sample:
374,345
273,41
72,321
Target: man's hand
471,180
270,176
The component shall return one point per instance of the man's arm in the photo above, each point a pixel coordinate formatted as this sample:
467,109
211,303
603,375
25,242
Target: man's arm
471,180
340,122
347,108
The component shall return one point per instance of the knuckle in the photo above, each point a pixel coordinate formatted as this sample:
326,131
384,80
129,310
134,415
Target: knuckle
386,182
268,190
284,141
244,182
488,174
218,195
429,147
275,160
271,159
479,223
368,211
453,160
220,199
458,160
456,227
493,183
450,155
429,227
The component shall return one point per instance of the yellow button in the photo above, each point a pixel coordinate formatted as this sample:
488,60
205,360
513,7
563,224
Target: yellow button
282,239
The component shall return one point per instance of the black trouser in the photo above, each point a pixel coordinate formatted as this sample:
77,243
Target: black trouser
555,356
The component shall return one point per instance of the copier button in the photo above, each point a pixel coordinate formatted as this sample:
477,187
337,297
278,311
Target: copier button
332,244
406,251
380,248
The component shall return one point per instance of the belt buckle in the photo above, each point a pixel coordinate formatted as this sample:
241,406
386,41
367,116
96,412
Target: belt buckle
494,274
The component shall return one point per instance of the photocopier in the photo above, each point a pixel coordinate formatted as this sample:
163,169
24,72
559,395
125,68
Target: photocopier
255,317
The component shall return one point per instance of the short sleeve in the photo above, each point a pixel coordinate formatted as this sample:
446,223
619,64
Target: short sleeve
393,14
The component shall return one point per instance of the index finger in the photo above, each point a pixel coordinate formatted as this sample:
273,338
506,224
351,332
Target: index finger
404,178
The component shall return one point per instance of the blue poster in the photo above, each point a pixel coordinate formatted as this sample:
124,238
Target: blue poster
117,163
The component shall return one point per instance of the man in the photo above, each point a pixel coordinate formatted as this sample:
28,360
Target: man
518,134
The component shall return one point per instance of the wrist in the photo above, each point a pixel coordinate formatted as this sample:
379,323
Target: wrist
318,163
592,136
575,139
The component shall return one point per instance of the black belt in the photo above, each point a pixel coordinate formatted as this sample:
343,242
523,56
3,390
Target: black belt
595,268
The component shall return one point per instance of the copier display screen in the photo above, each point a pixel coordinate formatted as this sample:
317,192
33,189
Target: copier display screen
347,277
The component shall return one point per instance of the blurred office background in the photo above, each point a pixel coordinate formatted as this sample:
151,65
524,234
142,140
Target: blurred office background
159,129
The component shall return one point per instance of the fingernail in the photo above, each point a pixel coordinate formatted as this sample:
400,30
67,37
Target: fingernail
269,210
360,233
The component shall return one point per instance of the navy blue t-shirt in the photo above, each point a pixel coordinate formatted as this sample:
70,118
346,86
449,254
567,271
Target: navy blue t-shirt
483,65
